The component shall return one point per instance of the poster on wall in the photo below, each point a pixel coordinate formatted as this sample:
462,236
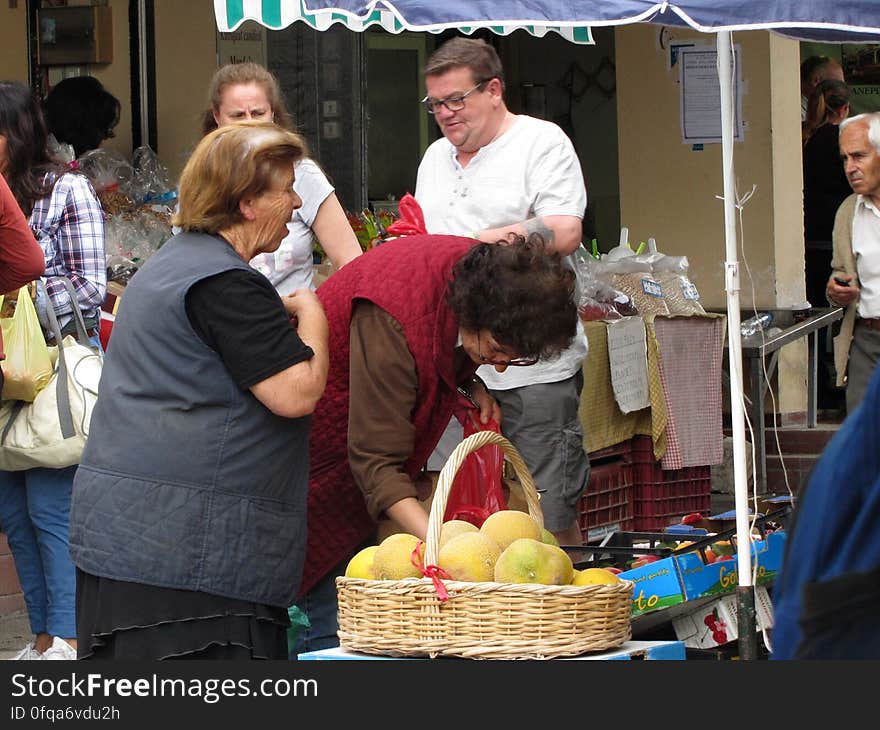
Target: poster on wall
861,69
701,97
246,43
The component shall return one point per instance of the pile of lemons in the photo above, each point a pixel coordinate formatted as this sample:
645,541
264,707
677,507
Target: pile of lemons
510,547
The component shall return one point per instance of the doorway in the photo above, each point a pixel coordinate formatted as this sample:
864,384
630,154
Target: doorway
397,125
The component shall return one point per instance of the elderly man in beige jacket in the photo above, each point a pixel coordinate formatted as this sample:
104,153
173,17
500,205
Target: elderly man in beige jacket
855,276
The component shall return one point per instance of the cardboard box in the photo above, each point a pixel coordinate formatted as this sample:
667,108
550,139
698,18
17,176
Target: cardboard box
657,585
716,623
685,577
699,579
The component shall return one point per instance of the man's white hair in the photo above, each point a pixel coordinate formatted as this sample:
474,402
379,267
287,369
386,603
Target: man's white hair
873,121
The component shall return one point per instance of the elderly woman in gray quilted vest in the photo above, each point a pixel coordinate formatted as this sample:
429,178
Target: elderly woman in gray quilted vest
188,515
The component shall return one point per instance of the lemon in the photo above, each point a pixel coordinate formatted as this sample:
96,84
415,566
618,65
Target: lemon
361,565
594,577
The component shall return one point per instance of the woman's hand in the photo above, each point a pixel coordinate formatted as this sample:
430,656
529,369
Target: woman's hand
299,301
295,391
488,406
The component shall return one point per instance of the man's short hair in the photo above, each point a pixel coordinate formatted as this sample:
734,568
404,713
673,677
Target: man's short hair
813,64
472,53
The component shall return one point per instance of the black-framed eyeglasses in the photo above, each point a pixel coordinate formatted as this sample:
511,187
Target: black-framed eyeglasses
512,362
453,103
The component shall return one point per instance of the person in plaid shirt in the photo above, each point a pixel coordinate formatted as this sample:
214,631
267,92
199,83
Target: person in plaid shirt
67,221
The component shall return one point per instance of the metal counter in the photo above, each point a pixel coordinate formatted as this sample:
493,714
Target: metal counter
755,350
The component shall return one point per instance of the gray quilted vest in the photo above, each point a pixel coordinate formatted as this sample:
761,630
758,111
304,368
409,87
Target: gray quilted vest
187,481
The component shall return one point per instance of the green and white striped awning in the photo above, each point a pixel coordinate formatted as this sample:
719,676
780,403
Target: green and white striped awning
278,14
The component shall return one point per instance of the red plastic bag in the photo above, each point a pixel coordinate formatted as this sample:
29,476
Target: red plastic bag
477,490
411,221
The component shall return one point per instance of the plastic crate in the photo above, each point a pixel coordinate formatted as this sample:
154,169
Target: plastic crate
606,504
662,496
669,495
611,453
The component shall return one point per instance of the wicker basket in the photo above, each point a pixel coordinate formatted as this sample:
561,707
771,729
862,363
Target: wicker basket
480,620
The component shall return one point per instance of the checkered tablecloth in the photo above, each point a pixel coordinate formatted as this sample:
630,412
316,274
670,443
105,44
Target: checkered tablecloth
691,353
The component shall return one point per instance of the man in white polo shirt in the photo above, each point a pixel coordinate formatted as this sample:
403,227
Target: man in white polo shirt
855,277
492,175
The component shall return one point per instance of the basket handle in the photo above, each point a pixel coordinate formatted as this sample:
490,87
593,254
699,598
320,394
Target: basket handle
447,476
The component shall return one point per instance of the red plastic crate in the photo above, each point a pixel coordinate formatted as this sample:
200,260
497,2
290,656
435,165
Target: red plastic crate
606,504
669,495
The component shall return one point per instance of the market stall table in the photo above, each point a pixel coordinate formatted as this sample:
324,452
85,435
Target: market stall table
755,350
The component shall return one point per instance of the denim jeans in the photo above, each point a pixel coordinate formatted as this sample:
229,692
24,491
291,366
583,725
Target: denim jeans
35,515
319,604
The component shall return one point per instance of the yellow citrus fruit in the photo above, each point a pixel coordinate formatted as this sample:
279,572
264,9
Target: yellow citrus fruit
361,565
594,576
529,561
454,528
508,525
393,559
470,556
548,537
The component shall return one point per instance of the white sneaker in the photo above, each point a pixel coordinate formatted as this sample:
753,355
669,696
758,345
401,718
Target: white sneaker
28,653
60,649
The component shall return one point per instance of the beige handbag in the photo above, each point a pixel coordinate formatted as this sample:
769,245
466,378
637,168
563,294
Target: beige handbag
52,430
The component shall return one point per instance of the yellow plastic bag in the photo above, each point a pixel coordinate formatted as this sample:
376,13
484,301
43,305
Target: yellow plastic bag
28,366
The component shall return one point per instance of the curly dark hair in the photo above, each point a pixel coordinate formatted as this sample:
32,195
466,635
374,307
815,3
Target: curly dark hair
27,156
519,292
81,112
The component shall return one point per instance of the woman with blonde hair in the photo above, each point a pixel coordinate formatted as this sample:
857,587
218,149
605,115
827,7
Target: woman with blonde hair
242,91
189,534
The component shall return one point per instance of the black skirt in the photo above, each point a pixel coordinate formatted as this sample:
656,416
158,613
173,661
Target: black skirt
121,620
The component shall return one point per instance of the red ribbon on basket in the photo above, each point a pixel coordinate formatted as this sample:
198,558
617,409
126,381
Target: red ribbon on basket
433,572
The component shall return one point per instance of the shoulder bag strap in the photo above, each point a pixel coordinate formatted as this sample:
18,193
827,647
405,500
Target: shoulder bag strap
65,417
81,335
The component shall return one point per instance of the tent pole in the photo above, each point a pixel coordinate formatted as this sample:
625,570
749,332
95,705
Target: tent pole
745,592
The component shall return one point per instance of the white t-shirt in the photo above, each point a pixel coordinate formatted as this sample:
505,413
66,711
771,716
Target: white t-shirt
866,247
530,170
290,267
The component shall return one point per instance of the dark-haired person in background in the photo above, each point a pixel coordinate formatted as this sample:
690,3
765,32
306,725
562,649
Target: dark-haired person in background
66,218
81,112
825,188
814,70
